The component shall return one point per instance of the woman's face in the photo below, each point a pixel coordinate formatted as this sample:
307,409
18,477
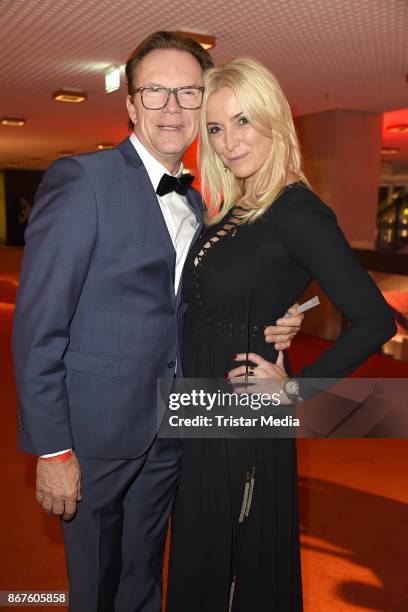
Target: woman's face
242,148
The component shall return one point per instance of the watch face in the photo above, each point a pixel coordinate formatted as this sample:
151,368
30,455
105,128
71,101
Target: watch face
292,387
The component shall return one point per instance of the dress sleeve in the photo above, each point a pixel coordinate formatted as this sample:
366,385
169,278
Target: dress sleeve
309,230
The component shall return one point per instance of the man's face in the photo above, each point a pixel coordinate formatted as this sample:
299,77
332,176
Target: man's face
168,132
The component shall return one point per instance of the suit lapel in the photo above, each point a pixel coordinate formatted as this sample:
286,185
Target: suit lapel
197,206
147,199
195,202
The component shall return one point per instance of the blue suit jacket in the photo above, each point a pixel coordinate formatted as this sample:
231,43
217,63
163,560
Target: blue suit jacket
96,320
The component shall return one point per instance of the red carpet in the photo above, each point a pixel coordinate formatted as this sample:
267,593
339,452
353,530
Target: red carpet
353,500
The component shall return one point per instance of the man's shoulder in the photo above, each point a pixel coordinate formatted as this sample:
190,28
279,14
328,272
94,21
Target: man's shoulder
99,159
97,168
94,161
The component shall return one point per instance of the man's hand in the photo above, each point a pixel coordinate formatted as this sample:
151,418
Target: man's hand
58,486
285,329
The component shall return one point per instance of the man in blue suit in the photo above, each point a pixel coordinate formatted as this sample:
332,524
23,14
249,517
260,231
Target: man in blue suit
98,321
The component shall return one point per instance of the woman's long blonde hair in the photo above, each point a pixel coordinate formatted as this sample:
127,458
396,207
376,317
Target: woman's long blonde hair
265,105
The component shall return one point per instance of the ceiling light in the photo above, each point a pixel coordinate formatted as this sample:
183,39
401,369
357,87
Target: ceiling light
35,160
402,127
390,150
69,95
65,153
112,79
14,121
205,40
12,165
105,145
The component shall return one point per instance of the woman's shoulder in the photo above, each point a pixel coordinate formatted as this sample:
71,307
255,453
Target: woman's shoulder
297,199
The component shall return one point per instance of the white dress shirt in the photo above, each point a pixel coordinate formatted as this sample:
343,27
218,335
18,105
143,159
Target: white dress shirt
179,218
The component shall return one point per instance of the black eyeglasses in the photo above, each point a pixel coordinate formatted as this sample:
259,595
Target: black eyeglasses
155,98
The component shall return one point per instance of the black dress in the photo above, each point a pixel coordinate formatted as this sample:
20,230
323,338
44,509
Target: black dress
257,271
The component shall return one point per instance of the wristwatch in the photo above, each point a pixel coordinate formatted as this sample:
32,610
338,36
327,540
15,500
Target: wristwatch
292,390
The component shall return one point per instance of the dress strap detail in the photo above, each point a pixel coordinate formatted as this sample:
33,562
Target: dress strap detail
226,329
228,229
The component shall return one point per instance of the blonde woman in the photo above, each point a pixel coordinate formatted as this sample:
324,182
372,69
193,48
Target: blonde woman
270,237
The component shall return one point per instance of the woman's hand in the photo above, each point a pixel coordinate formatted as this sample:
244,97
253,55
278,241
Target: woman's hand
263,377
262,368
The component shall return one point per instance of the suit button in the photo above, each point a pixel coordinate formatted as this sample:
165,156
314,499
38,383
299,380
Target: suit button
171,364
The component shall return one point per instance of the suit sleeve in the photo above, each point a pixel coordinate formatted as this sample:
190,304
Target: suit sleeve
310,232
60,240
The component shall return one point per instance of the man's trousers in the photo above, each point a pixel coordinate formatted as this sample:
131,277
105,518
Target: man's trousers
115,543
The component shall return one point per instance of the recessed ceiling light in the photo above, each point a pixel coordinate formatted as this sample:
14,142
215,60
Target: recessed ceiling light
390,150
35,160
65,153
402,127
12,165
13,121
105,145
205,40
112,79
69,95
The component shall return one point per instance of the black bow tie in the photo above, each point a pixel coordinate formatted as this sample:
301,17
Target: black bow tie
170,183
